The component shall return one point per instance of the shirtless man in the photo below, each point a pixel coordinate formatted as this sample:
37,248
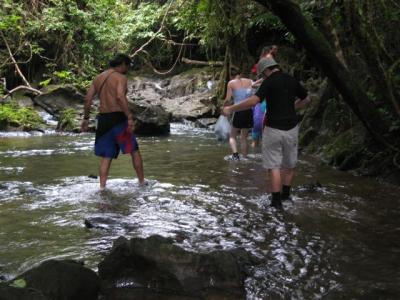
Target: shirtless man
114,130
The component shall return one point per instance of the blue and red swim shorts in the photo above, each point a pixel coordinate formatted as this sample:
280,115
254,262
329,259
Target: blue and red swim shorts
113,135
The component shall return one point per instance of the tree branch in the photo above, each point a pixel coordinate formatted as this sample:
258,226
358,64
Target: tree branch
202,63
14,61
155,35
18,88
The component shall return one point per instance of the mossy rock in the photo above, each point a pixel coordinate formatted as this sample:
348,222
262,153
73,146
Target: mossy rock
14,117
63,280
21,99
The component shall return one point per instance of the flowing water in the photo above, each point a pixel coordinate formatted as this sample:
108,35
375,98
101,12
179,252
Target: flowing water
340,240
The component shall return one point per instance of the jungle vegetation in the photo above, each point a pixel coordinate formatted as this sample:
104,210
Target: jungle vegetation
354,43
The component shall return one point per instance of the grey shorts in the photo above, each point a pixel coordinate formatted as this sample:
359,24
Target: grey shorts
279,148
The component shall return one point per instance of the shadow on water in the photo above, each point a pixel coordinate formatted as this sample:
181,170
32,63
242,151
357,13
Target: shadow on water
337,239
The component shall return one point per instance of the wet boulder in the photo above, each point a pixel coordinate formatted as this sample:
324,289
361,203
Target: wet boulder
191,107
188,95
190,82
21,98
62,280
149,119
156,264
56,99
8,292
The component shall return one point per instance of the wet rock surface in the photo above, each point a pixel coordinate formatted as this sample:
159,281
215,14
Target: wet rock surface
140,268
16,293
57,98
150,119
66,280
185,96
159,265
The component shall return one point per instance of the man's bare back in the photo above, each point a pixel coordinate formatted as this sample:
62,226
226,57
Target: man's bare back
112,84
111,87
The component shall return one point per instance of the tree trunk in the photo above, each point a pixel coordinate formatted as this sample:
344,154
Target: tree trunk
202,63
315,43
224,76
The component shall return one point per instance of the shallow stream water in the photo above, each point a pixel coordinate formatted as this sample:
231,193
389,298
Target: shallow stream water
340,240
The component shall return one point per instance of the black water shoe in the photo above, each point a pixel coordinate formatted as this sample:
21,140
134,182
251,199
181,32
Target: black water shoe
235,156
276,200
285,194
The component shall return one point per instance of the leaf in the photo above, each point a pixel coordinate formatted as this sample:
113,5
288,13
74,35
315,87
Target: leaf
45,83
19,283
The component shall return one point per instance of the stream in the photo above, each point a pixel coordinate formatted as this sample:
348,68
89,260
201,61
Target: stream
338,239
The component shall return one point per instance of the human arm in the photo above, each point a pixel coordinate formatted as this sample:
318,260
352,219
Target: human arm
301,103
228,96
257,83
302,97
122,87
86,109
245,104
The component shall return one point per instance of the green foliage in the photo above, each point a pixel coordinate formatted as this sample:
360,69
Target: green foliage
73,40
63,76
19,283
26,117
45,83
67,120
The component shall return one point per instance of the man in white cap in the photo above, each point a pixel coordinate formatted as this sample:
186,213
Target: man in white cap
284,96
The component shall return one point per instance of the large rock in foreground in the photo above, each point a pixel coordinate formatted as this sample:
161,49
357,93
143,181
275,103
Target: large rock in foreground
156,264
60,280
17,293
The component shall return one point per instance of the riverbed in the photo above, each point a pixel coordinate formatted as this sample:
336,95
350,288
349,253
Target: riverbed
339,237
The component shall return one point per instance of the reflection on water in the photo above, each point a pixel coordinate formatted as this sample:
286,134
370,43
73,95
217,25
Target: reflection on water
336,240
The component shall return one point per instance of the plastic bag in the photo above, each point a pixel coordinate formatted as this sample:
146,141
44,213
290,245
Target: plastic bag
222,128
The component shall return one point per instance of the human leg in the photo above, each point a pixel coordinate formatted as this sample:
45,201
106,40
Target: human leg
289,160
276,183
232,141
287,178
276,180
243,141
137,163
272,160
105,164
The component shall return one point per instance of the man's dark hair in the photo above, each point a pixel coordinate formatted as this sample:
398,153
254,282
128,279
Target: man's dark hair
119,59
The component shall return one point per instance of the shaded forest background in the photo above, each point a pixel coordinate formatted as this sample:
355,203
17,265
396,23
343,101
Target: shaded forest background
346,52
